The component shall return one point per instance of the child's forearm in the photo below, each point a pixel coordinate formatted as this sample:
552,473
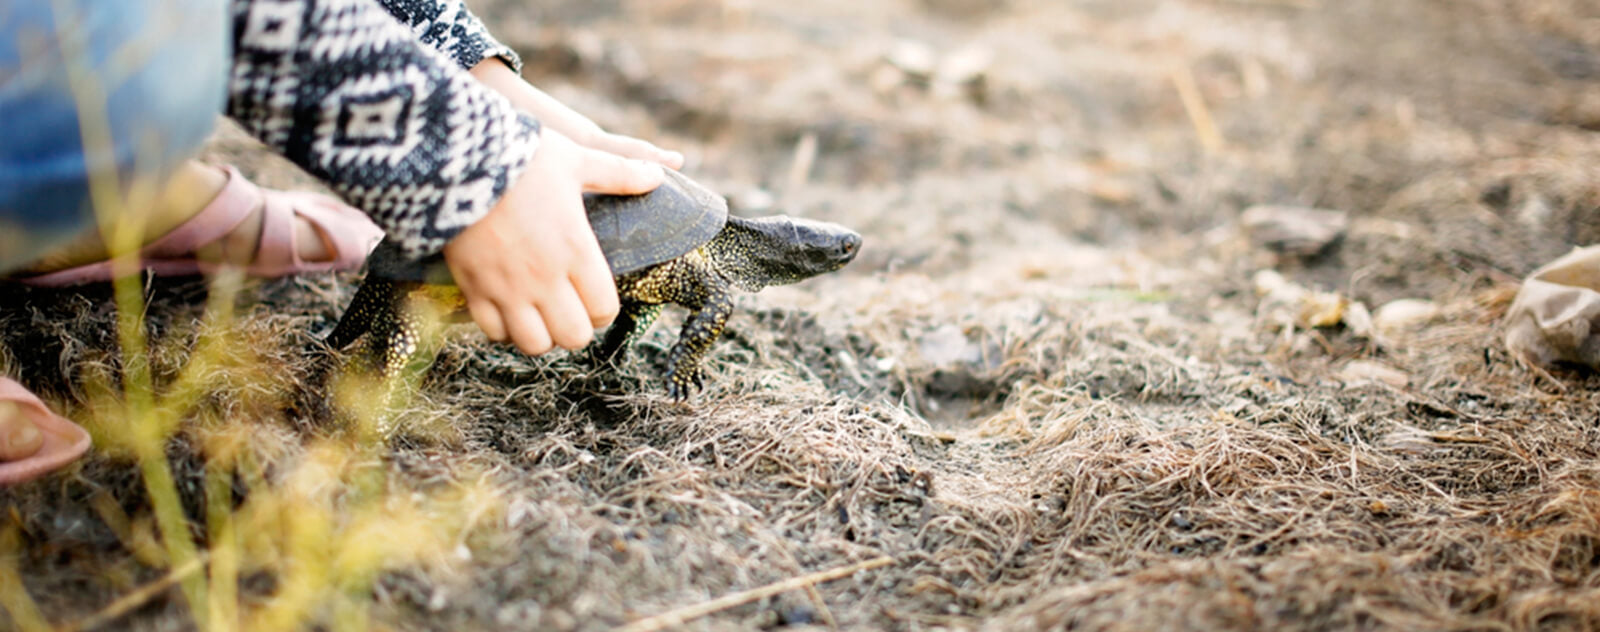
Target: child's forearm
494,73
499,77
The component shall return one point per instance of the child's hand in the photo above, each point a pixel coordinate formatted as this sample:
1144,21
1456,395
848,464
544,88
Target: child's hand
531,270
628,147
553,114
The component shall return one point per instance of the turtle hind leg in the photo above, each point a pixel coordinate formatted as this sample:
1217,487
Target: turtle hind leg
633,320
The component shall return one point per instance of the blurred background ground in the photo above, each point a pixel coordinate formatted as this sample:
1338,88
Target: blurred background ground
1068,384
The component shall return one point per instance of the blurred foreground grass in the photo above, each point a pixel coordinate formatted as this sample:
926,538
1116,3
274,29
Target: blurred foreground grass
317,529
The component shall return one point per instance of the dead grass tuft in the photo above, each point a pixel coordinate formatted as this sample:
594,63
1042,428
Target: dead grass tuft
1044,390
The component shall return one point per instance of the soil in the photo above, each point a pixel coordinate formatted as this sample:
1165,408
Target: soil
1048,388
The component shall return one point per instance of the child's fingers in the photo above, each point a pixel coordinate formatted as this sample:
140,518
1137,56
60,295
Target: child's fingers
487,316
605,172
592,280
531,269
566,318
629,147
672,159
527,327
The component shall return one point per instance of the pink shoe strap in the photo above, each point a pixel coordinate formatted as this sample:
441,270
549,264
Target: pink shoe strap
351,233
231,206
276,250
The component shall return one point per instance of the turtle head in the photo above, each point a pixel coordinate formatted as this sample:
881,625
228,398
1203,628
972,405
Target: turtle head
779,250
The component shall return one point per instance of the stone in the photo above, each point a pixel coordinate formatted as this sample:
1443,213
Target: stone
1294,230
1399,317
1361,372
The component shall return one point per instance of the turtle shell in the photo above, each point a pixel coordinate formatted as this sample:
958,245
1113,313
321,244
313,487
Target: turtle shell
634,231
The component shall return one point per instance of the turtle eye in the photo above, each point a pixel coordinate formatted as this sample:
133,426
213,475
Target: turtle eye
849,245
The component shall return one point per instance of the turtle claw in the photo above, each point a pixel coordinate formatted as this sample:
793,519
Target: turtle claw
683,382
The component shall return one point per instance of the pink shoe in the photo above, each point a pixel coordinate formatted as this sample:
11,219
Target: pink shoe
348,230
64,441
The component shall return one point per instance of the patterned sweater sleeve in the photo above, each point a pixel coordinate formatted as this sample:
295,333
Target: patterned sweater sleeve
344,90
449,27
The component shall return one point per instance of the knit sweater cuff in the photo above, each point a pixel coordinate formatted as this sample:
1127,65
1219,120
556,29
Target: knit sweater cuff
449,27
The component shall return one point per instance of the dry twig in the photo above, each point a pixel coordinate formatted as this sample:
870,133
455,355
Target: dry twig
1194,105
127,603
682,615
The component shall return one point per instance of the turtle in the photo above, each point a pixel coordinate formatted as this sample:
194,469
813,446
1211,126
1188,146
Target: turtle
677,244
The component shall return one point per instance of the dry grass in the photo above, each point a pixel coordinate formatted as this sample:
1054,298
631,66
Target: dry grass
1044,390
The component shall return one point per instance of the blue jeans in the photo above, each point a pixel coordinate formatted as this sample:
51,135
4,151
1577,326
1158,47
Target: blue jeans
92,89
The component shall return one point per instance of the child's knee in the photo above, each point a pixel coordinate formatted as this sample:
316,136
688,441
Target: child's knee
129,86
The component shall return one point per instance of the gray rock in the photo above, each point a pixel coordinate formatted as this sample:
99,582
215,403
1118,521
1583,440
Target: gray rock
1294,230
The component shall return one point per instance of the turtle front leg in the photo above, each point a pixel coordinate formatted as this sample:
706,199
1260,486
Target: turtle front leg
633,320
700,330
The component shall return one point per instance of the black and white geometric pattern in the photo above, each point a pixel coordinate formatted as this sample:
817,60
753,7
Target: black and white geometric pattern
450,28
350,94
373,119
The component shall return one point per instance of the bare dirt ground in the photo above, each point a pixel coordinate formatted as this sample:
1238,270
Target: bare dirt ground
1048,389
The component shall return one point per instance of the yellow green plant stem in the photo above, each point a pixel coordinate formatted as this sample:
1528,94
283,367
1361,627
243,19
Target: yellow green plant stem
14,598
131,601
112,201
151,427
222,608
181,549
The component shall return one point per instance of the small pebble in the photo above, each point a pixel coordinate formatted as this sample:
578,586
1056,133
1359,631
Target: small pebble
1358,319
798,615
948,345
916,59
1398,317
1366,372
1294,230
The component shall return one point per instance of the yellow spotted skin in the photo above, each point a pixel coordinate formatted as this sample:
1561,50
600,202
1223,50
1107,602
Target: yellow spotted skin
690,281
746,254
388,312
